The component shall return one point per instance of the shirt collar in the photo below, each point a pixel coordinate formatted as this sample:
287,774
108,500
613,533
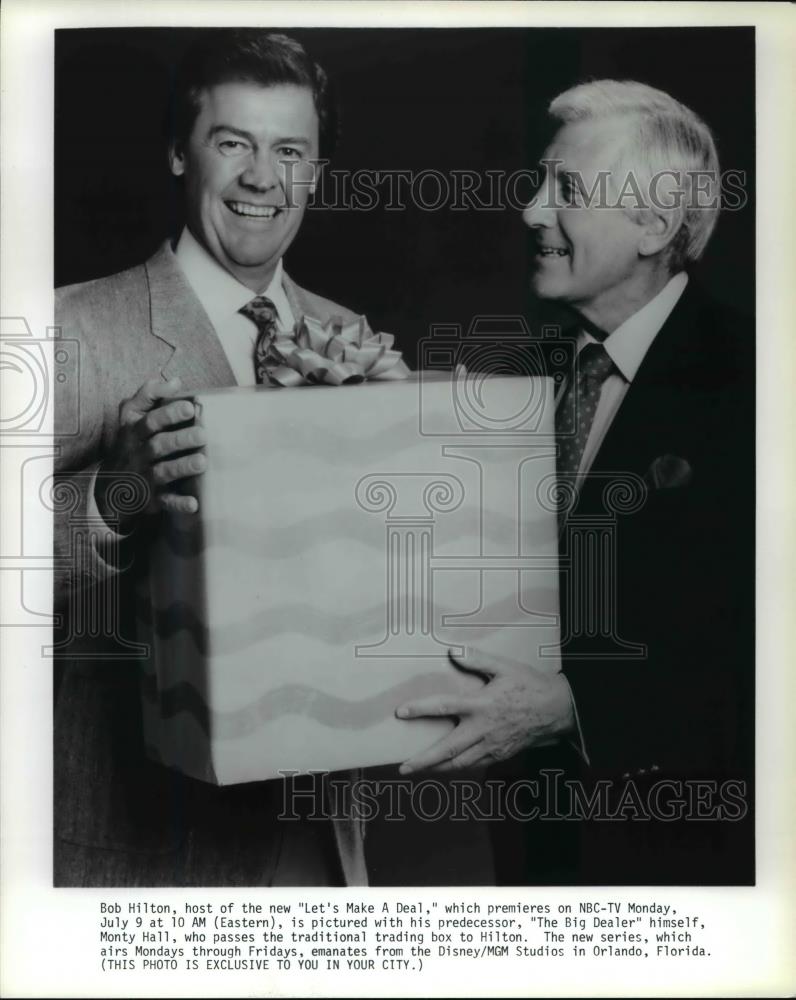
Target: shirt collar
628,344
221,294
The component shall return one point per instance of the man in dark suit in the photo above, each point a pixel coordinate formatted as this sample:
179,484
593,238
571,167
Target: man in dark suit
641,748
252,115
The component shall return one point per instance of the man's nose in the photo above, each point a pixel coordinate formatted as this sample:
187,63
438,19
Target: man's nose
261,172
539,213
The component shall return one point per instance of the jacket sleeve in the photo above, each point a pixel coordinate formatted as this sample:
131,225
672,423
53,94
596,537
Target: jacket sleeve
87,550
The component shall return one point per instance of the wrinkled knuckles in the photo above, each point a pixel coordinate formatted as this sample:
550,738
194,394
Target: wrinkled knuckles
160,475
156,448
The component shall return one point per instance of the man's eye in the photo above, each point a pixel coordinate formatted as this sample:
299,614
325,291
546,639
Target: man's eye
570,193
232,147
289,153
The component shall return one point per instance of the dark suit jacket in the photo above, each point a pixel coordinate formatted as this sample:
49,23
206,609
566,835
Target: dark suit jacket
137,817
677,577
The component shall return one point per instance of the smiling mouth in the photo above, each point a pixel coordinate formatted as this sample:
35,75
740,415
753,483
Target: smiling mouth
246,210
552,252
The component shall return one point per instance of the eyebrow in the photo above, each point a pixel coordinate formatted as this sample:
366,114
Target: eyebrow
560,172
215,129
544,163
298,140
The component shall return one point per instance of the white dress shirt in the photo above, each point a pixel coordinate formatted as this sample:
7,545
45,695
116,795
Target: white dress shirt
626,347
222,295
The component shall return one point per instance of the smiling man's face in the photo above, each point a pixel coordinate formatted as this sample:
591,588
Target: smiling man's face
248,172
585,253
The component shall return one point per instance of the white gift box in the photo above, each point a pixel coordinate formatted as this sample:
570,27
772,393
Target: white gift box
347,538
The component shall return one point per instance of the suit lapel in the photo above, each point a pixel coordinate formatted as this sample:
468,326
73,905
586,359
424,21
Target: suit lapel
304,303
656,416
179,320
295,296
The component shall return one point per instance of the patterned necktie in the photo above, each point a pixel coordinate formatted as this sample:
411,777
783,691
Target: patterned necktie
262,312
576,409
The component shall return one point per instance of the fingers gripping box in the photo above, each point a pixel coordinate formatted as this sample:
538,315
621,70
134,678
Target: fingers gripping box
347,538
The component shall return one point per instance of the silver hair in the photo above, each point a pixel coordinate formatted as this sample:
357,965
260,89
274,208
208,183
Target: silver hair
668,137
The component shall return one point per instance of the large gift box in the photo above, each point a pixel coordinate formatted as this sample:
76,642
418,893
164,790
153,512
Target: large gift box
347,538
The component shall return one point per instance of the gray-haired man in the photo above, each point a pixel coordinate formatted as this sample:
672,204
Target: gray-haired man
657,627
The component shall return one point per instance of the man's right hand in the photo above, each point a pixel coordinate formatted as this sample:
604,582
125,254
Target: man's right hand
154,442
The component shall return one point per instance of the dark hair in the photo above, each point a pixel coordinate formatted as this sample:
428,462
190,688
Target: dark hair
255,56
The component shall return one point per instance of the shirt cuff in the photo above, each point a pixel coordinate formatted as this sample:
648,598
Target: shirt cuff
577,742
112,546
93,510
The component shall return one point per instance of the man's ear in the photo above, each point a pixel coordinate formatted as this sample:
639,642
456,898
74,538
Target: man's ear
176,159
659,229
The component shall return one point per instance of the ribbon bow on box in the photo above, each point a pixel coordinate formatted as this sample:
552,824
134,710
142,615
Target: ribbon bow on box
332,353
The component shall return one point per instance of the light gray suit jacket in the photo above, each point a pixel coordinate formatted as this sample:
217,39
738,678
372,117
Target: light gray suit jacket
130,327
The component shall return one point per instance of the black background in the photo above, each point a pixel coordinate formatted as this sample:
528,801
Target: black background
411,99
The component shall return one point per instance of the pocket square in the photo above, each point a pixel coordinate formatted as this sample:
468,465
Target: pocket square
668,471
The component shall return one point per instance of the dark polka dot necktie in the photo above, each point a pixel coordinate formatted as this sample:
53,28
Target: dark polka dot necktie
262,312
576,408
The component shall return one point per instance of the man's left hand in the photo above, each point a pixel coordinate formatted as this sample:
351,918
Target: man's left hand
518,707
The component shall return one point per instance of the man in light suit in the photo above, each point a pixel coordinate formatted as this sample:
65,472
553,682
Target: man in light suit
252,115
655,428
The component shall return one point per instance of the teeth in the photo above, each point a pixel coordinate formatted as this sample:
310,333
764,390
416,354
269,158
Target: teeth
257,211
552,251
